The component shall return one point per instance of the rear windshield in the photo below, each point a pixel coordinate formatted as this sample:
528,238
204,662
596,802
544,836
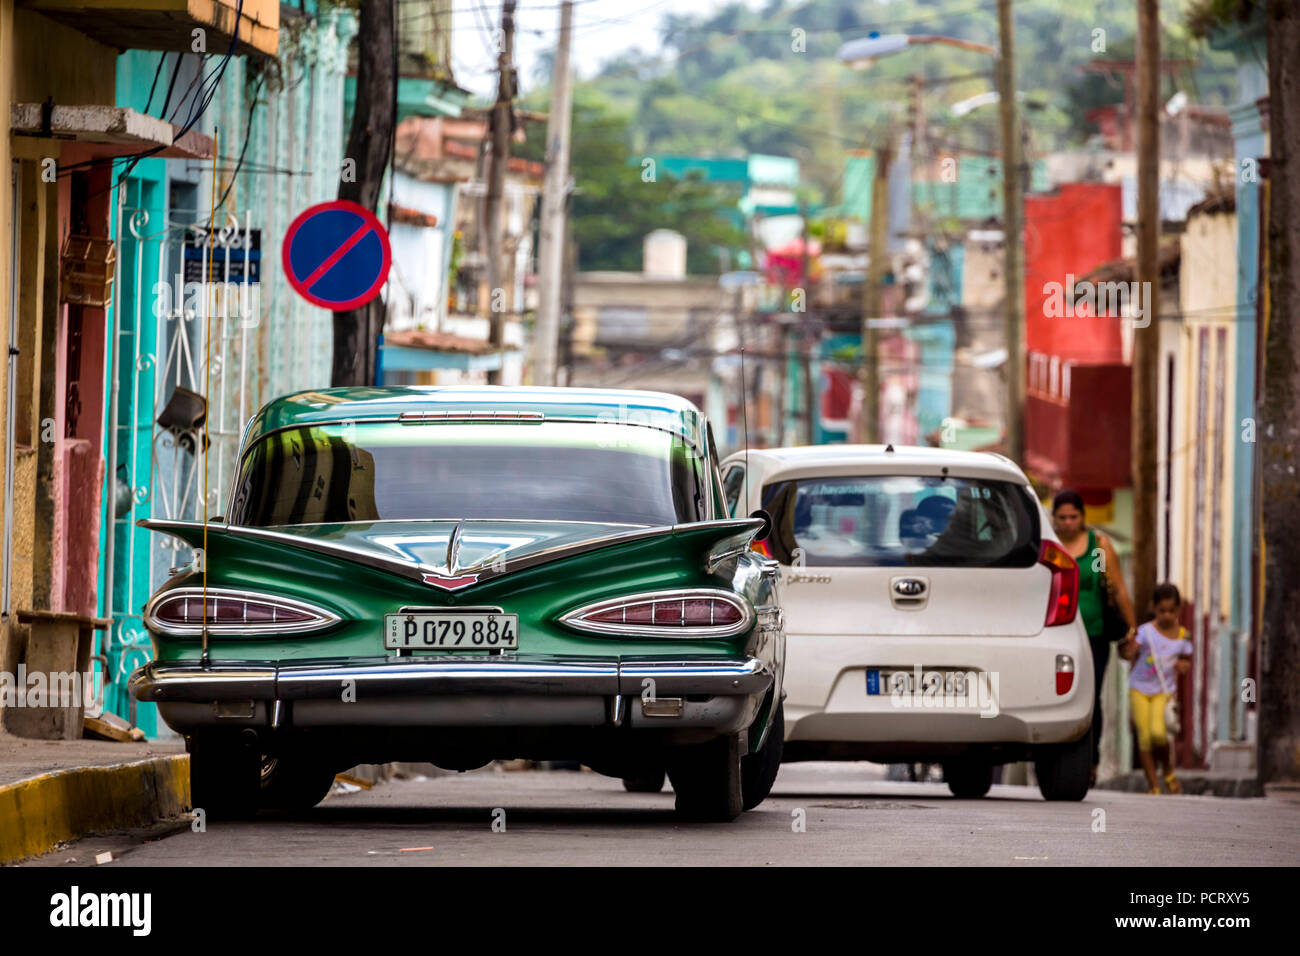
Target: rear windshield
553,471
901,520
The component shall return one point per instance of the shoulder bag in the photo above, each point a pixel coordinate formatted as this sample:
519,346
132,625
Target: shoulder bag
1113,625
1173,716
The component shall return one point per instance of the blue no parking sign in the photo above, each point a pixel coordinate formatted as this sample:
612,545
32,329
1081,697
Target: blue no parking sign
336,255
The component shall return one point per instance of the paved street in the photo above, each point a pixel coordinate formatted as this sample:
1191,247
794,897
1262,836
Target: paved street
853,817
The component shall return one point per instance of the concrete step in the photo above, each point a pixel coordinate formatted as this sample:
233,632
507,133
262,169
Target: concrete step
1233,756
1207,783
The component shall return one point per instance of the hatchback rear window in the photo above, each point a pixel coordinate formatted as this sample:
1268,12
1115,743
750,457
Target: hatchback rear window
901,520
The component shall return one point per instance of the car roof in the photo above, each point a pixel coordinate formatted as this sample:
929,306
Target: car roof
362,403
807,460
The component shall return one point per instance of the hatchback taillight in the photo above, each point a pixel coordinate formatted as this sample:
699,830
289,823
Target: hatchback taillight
1064,674
188,610
1063,596
684,613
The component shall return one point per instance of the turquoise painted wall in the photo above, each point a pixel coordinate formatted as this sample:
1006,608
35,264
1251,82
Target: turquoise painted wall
145,188
934,387
291,140
975,193
1247,43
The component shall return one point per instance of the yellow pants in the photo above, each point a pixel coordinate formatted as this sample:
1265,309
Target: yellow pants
1148,715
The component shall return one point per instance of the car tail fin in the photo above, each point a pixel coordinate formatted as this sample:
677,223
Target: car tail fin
709,542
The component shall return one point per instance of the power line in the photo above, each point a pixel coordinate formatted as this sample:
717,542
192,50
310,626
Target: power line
248,133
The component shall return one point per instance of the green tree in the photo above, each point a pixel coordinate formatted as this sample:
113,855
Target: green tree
618,200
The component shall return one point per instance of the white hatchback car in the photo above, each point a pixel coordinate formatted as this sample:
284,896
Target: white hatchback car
930,612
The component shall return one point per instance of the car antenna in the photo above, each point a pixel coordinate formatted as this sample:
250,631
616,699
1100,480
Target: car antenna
744,420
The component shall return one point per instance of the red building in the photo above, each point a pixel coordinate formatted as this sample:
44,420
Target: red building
1077,412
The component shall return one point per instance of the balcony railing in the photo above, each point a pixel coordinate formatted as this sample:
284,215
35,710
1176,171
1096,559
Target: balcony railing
1077,422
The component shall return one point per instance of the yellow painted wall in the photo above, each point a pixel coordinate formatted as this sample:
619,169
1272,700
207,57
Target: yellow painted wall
50,59
1207,301
8,639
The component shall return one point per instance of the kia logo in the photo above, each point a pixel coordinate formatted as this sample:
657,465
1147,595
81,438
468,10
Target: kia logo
909,587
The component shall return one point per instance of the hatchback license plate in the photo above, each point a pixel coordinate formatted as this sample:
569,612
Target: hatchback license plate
881,681
455,630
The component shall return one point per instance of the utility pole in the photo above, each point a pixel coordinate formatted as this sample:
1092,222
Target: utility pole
492,206
873,298
1279,416
555,192
1012,210
804,433
370,139
570,270
917,84
1146,338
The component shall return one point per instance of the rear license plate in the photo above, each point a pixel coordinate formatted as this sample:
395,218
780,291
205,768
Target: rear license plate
451,630
882,681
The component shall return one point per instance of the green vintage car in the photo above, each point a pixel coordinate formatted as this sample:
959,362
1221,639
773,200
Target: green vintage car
457,575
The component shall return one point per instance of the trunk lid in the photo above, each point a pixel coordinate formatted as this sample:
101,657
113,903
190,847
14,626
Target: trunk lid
457,555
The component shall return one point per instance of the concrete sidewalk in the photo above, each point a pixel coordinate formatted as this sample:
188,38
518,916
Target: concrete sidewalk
52,791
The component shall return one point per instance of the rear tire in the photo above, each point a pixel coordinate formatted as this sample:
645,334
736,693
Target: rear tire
293,782
968,779
225,771
707,780
1063,769
758,770
650,781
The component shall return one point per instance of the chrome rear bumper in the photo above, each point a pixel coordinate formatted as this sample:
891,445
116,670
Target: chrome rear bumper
441,691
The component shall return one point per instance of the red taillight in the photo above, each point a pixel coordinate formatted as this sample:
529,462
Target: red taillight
1064,674
1063,596
761,548
688,613
188,610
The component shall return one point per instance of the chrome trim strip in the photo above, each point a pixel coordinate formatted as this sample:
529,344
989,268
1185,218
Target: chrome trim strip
157,681
356,555
438,675
457,609
681,678
576,618
405,676
471,416
322,618
592,544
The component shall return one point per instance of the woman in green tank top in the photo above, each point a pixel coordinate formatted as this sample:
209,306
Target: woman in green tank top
1097,560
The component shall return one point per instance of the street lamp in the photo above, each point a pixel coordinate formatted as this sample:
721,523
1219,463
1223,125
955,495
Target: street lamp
861,53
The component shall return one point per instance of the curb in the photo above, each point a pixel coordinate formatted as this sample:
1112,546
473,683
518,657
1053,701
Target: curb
39,813
1194,784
